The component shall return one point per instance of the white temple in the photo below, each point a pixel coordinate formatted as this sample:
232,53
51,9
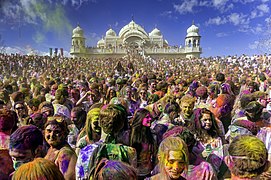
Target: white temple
133,39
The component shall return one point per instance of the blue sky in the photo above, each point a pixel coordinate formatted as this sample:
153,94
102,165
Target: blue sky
227,27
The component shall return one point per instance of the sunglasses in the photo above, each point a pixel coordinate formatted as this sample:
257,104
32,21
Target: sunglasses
19,108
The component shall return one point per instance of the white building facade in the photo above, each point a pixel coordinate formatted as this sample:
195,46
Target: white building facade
133,39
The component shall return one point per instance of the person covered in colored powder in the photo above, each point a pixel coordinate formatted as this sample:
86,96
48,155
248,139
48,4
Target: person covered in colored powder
60,152
247,158
173,159
25,145
198,168
111,119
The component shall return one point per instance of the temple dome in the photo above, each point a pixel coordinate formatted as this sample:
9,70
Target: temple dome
110,32
192,31
78,30
155,32
134,28
101,42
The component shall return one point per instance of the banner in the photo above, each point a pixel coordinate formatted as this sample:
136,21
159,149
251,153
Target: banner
56,50
51,51
61,52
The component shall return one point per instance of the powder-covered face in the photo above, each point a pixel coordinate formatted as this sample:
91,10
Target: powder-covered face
175,164
147,120
206,121
187,109
20,156
95,124
157,109
54,135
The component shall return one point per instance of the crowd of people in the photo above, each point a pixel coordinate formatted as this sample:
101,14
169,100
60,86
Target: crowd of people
135,118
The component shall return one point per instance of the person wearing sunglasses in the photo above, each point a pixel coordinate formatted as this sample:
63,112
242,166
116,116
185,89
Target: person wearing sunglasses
21,111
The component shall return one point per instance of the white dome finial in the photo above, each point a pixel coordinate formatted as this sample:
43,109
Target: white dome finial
193,30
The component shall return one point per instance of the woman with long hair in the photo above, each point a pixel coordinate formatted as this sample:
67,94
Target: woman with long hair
209,137
142,139
91,133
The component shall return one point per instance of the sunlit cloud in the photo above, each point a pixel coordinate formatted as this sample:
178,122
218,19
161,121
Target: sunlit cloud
238,18
216,21
221,34
186,7
169,15
76,3
263,7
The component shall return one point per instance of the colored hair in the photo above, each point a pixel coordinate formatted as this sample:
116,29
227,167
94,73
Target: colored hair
111,169
172,109
226,89
245,100
188,99
184,133
254,107
39,168
59,121
248,155
7,119
112,118
91,114
26,137
165,100
153,98
38,119
259,94
172,144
